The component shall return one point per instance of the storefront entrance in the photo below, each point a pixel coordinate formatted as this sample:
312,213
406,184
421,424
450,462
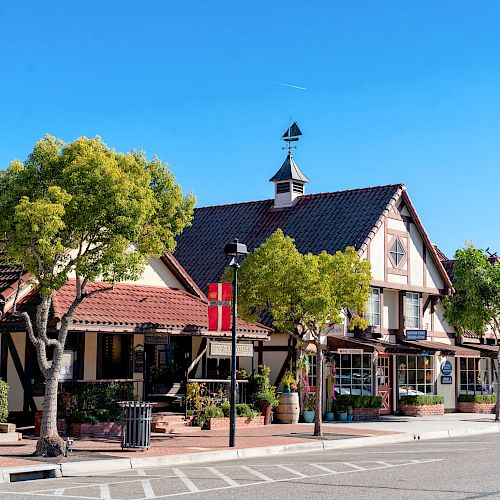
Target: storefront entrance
384,382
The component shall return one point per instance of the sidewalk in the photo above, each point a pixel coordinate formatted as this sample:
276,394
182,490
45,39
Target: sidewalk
100,454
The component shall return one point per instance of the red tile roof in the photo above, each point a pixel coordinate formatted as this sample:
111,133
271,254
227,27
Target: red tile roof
138,307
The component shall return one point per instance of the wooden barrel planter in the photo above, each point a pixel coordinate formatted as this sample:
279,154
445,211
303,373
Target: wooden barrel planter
288,410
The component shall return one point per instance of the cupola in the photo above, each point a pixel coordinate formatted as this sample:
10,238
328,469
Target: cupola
289,181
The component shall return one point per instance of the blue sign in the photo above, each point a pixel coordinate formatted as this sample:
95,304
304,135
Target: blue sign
446,368
446,379
413,335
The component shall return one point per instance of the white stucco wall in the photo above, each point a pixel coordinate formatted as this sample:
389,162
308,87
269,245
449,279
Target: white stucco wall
156,273
446,390
377,254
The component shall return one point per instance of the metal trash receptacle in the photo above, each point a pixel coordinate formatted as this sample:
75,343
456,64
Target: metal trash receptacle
136,424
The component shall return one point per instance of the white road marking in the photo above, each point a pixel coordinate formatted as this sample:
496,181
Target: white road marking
222,476
385,464
104,490
324,469
256,473
59,492
291,471
148,489
141,472
190,485
354,466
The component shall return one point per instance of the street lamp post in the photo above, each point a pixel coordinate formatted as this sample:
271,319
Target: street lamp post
234,250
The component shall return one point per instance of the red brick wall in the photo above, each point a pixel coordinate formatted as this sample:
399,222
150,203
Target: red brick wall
422,410
101,429
223,423
61,423
366,413
476,407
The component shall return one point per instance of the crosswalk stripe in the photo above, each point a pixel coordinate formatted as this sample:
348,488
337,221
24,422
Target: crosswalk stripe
291,471
104,490
354,466
257,473
190,485
324,469
218,473
141,472
59,492
148,489
385,464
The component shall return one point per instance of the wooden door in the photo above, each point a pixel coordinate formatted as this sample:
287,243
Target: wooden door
384,382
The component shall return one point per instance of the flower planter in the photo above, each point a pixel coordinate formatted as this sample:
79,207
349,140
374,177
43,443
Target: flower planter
94,430
329,416
343,416
422,410
288,410
366,414
241,422
476,407
308,416
266,413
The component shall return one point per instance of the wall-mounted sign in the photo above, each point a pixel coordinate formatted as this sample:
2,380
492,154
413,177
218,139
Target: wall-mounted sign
446,368
350,351
224,350
425,354
446,379
336,330
413,335
156,339
139,359
68,364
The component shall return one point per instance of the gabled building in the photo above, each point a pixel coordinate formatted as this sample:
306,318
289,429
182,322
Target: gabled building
408,338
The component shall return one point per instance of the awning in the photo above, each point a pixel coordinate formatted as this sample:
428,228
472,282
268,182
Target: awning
445,349
369,345
490,351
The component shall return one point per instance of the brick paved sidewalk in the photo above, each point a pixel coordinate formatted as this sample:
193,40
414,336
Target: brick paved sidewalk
171,444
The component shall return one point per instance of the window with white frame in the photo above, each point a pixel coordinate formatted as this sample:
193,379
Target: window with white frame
412,310
397,252
416,375
353,374
312,369
372,314
474,376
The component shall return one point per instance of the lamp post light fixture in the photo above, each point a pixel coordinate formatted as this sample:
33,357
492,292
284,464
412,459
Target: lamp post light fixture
234,250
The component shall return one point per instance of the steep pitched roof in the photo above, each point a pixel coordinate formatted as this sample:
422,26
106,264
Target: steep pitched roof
289,171
325,221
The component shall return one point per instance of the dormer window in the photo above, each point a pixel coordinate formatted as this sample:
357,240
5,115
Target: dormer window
282,187
397,252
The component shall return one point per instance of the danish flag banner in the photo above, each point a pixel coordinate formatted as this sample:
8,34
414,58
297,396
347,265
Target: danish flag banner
219,307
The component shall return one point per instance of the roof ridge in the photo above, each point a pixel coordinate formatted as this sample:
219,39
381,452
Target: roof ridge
311,195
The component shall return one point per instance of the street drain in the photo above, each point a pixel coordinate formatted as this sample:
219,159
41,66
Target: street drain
31,475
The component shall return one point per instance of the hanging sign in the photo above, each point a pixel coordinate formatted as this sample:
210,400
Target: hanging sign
350,351
219,307
413,335
446,368
157,339
224,350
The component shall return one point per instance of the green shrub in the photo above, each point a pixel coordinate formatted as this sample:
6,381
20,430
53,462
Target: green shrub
101,415
4,401
226,409
477,398
421,400
208,412
346,400
82,417
245,410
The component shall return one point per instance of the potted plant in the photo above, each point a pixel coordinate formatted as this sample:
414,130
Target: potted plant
329,414
349,413
289,381
267,401
309,408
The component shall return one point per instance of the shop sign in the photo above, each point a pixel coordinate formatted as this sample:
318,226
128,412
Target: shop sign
156,339
446,379
413,335
336,330
138,359
446,368
350,351
224,350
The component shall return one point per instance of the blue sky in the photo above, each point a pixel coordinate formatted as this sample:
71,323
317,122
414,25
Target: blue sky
395,92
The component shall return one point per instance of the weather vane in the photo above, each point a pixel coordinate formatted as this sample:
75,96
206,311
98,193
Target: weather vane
292,134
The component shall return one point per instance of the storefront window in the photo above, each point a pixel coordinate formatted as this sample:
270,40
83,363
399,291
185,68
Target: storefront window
353,374
474,376
373,308
412,314
416,375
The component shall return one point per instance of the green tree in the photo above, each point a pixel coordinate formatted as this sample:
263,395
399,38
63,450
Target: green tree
82,210
475,305
304,293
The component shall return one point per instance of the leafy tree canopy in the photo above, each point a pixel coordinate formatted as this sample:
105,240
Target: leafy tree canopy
82,208
475,305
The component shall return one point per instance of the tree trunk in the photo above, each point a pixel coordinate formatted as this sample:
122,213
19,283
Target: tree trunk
319,388
497,369
50,444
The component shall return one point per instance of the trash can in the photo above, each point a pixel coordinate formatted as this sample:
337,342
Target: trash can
136,424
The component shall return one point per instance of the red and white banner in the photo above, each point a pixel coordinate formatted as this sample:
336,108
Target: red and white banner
219,307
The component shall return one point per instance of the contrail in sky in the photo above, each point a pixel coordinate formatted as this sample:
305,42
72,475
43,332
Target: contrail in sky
291,86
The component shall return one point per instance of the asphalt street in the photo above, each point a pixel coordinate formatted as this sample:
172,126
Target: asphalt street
437,469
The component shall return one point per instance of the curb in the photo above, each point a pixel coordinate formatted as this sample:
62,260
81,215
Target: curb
47,470
69,469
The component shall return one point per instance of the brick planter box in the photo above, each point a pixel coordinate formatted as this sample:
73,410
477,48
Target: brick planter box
476,407
366,413
91,430
422,410
241,422
62,425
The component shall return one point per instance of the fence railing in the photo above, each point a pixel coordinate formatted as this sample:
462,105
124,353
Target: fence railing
217,390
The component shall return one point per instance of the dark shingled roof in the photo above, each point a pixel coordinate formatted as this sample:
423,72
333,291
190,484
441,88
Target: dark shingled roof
325,221
9,276
289,171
